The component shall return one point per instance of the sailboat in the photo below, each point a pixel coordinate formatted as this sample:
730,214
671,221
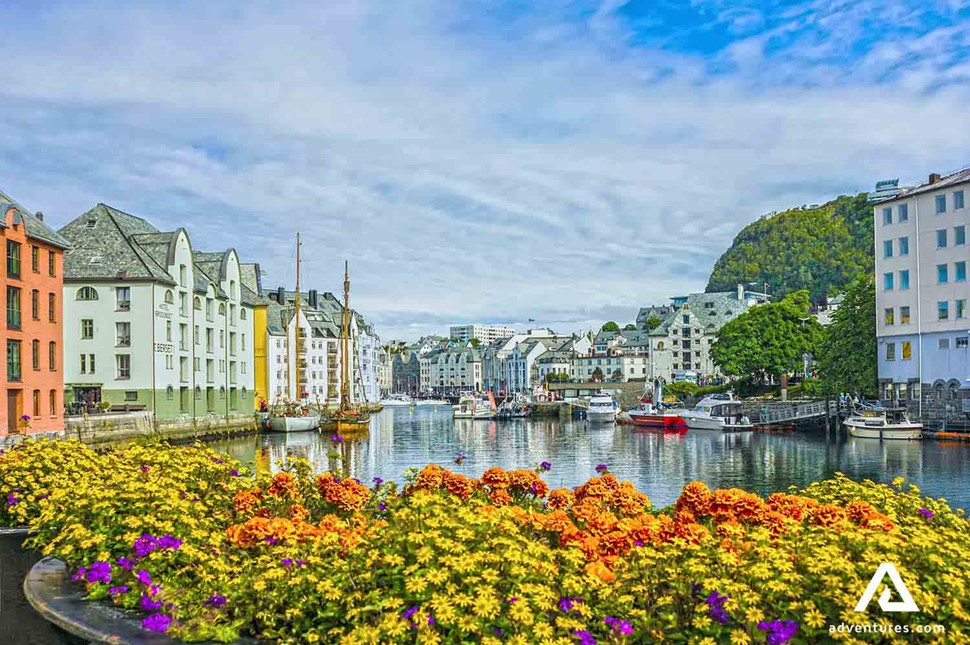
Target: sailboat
349,417
295,416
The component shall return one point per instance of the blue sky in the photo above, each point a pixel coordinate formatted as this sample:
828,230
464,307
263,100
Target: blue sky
561,161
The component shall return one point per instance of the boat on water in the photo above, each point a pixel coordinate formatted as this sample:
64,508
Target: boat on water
883,423
602,407
430,402
294,416
397,401
718,412
661,415
472,406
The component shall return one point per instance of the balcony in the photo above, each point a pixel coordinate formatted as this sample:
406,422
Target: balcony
123,341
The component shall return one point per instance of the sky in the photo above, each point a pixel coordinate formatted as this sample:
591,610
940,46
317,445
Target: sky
565,162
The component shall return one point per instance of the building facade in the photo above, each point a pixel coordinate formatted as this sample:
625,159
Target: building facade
921,290
484,333
32,282
451,370
151,323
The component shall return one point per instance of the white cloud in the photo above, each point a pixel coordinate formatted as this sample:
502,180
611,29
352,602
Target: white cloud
470,168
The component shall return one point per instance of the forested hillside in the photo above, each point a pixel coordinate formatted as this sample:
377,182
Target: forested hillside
821,249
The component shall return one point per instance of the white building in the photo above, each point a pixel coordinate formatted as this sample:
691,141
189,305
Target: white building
150,323
484,333
921,289
451,370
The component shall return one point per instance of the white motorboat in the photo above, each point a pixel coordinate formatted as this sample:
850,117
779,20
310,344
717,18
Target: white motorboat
883,423
397,401
295,423
434,402
602,407
471,406
718,412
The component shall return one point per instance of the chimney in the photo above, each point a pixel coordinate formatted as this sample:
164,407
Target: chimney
934,177
312,298
281,295
39,216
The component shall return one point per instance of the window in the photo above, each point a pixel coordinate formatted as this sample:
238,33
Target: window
51,264
940,204
84,364
87,328
903,279
34,259
943,343
182,274
242,314
35,401
168,330
960,271
942,274
35,304
941,238
13,308
961,342
13,360
242,342
888,315
907,350
52,356
169,362
904,315
13,259
170,393
123,298
35,354
197,304
887,281
87,293
961,308
52,307
131,395
887,216
123,334
169,297
122,366
52,401
957,200
943,310
903,212
887,249
890,351
904,246
184,304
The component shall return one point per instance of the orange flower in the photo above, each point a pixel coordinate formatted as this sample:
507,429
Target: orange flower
298,513
500,497
246,501
696,498
599,570
430,477
829,516
459,485
560,498
495,478
284,485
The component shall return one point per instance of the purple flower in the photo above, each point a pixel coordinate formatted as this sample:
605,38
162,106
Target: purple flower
430,619
144,469
638,543
382,506
270,540
25,418
584,637
498,632
300,563
377,481
566,604
716,602
99,572
80,573
156,623
927,513
147,603
287,562
114,591
167,541
546,465
234,472
779,631
217,460
512,600
12,499
143,577
215,600
409,612
337,438
602,468
144,545
618,626
460,457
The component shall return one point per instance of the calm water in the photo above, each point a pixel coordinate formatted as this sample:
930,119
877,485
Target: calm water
658,464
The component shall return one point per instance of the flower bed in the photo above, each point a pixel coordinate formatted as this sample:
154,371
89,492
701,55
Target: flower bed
204,550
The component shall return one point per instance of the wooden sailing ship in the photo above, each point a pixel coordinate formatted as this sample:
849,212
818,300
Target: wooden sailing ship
349,418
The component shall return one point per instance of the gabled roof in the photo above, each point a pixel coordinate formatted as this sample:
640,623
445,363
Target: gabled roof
102,246
954,178
35,227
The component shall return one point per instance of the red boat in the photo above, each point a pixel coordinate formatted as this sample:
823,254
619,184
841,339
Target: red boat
649,417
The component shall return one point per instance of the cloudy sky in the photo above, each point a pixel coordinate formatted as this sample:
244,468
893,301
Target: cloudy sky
479,161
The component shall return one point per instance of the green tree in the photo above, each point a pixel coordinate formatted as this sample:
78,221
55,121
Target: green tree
652,323
630,327
768,339
847,359
617,375
474,342
610,326
597,374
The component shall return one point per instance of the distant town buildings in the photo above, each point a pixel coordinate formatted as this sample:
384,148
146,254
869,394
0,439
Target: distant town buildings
485,334
921,289
32,283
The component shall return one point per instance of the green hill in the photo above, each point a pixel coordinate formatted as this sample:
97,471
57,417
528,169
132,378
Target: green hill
820,249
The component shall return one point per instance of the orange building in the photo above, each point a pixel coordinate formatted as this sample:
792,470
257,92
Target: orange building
31,283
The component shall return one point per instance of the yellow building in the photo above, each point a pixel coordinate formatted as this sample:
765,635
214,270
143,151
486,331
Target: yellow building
250,275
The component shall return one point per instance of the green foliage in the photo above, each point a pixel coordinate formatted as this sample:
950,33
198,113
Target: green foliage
610,326
598,374
554,377
847,360
474,342
769,338
630,327
652,323
821,250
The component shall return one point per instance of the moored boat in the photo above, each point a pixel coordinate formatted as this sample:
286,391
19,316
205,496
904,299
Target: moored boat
431,402
293,422
883,423
661,416
602,407
718,412
472,406
397,401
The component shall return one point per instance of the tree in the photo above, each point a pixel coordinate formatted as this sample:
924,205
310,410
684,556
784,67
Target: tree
768,339
610,326
597,374
617,375
847,360
652,323
474,342
630,327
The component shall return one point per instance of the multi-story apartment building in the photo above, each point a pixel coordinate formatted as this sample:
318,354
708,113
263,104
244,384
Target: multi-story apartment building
921,289
150,323
484,333
451,370
31,282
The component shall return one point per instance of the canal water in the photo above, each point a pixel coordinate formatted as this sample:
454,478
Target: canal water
658,464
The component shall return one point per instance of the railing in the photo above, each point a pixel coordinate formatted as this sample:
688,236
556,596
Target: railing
792,412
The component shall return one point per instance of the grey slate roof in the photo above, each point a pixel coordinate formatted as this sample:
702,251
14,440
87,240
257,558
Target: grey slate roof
710,311
35,227
959,177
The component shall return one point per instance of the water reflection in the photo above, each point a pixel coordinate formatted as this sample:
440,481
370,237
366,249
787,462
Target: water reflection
659,464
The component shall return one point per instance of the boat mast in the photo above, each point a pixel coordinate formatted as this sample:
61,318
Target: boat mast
345,342
296,327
